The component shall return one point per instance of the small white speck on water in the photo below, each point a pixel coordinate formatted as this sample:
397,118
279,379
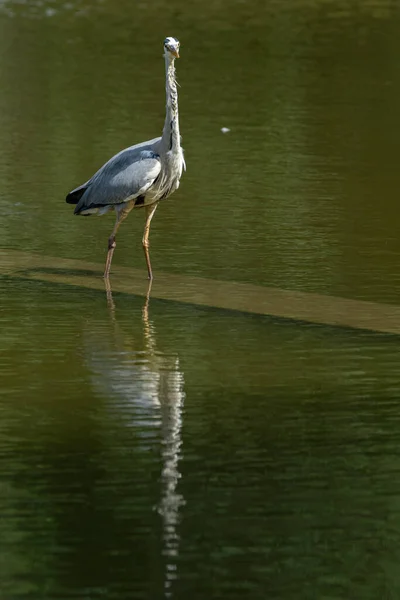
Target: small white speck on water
225,129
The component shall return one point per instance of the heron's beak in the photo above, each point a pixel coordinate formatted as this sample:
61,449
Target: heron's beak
175,53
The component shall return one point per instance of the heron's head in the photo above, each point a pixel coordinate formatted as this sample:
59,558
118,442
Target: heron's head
171,46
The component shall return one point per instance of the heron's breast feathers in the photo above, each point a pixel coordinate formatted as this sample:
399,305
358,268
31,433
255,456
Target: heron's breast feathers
171,172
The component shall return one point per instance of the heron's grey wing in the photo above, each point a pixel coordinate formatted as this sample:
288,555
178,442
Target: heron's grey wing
124,177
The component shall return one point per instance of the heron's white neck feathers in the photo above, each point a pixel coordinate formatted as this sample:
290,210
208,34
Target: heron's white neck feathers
171,135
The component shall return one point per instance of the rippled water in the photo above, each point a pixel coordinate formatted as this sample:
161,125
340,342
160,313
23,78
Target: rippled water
161,449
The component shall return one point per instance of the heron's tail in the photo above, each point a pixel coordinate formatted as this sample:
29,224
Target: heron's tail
74,196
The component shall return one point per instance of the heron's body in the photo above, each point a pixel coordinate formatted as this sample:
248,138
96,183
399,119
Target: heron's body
141,175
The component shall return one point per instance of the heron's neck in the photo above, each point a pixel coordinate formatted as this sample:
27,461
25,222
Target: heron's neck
171,136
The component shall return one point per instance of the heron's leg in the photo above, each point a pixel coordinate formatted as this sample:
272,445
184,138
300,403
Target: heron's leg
110,301
150,210
122,213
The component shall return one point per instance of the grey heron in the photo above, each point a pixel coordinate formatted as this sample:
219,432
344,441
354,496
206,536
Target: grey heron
141,175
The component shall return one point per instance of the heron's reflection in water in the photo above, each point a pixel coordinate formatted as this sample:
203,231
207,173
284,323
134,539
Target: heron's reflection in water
148,386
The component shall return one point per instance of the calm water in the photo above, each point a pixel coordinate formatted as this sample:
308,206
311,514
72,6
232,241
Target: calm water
172,451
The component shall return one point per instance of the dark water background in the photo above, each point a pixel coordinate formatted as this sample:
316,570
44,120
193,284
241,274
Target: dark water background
184,451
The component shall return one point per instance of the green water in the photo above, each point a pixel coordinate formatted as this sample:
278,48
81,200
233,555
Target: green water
173,451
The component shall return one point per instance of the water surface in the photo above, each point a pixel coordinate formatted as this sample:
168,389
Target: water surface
167,449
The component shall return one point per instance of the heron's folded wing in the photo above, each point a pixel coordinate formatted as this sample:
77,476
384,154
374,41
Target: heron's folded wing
126,176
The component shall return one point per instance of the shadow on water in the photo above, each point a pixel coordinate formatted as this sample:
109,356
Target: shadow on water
35,272
227,295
